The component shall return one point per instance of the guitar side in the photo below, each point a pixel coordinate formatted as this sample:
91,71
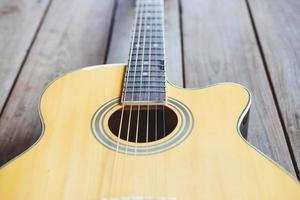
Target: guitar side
212,162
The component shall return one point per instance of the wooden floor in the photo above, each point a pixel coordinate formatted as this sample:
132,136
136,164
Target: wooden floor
252,42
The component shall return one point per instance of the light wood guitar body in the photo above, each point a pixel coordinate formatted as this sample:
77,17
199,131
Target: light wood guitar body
213,162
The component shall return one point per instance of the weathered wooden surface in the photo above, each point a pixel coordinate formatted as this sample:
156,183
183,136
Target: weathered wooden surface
19,23
278,24
219,44
69,38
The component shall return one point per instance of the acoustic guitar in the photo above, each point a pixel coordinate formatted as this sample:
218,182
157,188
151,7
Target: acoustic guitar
123,132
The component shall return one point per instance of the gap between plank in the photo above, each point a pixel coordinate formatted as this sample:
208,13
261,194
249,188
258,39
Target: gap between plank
26,56
288,142
182,42
111,28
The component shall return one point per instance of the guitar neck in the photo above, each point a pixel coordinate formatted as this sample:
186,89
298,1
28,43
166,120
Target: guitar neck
145,79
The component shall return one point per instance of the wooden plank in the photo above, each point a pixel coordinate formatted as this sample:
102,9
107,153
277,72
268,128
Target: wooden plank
120,43
74,35
220,45
19,22
173,43
278,27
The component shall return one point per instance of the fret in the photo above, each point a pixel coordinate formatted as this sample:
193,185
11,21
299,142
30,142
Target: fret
158,48
142,24
147,48
149,31
146,70
140,53
146,62
134,80
149,28
144,91
146,56
145,81
159,12
150,17
144,42
152,75
144,76
134,94
156,23
153,48
155,42
139,79
148,36
130,76
148,42
147,52
144,97
150,24
146,59
151,5
145,86
154,65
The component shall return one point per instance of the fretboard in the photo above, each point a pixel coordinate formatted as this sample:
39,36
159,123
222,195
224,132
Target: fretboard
145,81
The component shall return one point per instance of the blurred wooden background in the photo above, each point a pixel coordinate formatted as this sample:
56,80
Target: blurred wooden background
252,42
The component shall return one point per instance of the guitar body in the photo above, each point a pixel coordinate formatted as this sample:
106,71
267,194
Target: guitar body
210,159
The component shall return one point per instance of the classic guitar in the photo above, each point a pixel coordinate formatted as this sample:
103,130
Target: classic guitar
122,132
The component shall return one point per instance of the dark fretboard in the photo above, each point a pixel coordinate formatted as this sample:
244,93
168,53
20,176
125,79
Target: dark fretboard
144,81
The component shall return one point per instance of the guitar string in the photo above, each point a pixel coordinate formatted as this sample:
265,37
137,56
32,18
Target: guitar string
149,77
140,24
158,53
164,54
155,58
145,17
150,59
134,27
129,123
164,67
141,81
155,53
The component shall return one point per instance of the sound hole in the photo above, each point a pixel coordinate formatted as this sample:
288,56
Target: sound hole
144,124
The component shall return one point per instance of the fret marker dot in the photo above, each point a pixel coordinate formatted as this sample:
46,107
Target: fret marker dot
155,45
148,27
145,73
146,63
